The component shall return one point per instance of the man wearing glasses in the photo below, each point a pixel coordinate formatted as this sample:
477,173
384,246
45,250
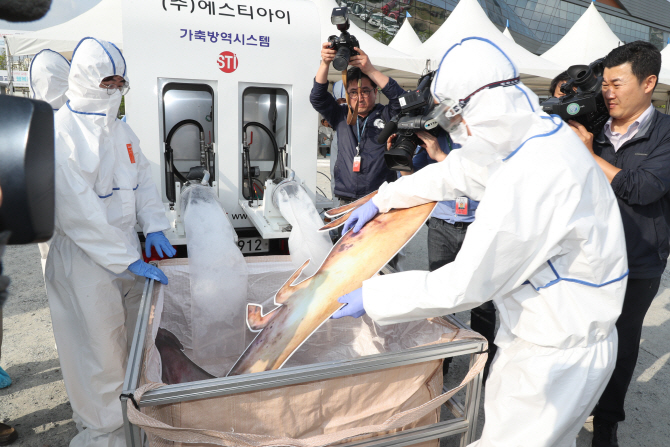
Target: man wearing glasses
360,167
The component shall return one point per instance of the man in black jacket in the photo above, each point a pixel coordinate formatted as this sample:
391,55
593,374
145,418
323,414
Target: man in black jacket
360,167
633,150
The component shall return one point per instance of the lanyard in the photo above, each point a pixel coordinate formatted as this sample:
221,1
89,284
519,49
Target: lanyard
358,131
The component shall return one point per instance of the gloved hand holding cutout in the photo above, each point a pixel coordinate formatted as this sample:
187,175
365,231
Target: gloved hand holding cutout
354,304
360,216
158,241
141,268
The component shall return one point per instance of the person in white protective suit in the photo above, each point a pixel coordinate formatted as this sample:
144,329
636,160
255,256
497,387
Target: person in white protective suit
547,246
48,82
94,271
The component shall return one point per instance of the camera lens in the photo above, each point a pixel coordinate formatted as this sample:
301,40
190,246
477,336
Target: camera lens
341,60
399,157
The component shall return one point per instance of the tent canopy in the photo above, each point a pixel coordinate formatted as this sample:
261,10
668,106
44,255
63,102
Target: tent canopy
507,34
469,19
406,40
589,39
103,21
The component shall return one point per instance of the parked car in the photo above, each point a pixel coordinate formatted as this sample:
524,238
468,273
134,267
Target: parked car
391,31
365,16
376,19
389,22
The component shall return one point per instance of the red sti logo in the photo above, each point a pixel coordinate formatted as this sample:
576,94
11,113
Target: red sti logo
227,62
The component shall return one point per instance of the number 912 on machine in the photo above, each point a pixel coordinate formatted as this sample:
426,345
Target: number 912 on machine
253,245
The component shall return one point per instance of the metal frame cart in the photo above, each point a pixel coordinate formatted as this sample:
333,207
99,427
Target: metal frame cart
464,423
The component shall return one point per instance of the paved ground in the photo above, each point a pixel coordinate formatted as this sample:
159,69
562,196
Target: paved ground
36,404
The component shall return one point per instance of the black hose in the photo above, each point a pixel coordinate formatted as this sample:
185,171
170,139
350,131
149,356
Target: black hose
272,139
168,146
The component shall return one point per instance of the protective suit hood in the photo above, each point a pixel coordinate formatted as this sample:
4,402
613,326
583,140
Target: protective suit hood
496,106
93,60
48,78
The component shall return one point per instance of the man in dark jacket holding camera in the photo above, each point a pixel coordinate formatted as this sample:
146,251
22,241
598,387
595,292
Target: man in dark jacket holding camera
360,167
633,150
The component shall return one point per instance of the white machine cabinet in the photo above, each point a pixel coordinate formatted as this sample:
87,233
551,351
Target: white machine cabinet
199,72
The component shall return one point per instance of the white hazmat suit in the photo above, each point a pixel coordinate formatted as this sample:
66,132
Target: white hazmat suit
48,82
547,246
103,188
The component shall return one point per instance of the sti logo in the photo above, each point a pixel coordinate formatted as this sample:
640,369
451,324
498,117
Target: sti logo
227,62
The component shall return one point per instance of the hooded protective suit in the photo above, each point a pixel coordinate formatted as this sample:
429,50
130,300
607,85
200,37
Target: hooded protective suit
547,246
48,82
103,188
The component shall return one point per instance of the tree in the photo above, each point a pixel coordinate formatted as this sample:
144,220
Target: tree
3,60
383,37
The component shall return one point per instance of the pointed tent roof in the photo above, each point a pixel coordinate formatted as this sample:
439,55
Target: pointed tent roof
102,21
406,39
590,38
403,68
469,19
507,34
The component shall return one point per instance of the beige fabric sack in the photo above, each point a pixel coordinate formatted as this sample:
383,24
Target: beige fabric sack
311,414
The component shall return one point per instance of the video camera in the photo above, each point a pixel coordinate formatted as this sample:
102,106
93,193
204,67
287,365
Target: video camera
583,101
345,43
26,169
414,115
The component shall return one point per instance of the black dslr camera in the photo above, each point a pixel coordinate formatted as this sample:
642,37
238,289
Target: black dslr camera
344,45
583,101
415,106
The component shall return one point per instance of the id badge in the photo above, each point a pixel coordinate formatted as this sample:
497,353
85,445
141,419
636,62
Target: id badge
357,163
462,206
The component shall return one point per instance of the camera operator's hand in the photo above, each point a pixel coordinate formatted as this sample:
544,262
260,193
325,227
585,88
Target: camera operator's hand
431,145
390,141
362,61
583,134
327,53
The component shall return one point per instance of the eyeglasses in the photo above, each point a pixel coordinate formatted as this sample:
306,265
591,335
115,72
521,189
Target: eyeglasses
111,83
364,92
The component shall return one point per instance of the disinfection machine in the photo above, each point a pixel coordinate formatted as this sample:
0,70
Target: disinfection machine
220,93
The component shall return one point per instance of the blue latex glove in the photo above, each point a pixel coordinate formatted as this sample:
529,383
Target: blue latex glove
141,268
158,241
354,305
5,380
360,216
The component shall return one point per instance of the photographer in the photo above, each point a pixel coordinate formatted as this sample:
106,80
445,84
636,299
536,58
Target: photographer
357,142
557,83
633,150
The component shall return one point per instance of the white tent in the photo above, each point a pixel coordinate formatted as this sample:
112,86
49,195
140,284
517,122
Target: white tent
469,19
406,39
403,68
103,21
590,38
664,76
507,34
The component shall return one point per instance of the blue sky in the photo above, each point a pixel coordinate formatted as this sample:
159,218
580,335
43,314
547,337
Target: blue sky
61,11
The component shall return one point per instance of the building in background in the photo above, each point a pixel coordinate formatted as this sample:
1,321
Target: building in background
535,24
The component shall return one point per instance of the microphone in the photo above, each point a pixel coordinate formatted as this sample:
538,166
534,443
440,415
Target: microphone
389,130
23,10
